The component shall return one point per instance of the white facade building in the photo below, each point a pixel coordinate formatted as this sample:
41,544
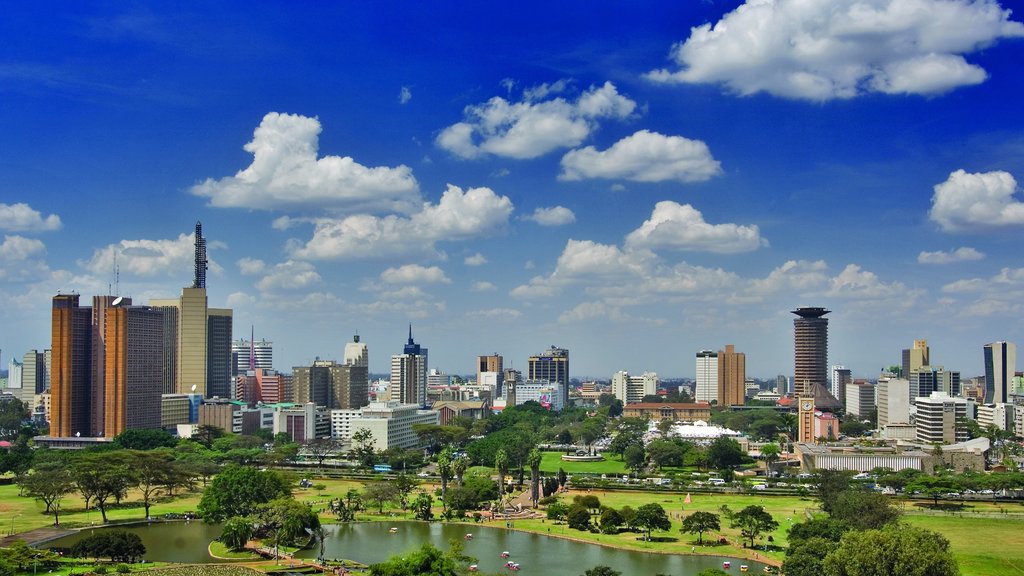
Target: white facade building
893,401
860,398
841,378
632,389
937,417
706,389
390,423
356,353
1000,415
544,392
260,352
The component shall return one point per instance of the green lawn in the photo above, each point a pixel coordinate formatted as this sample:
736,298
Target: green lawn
552,461
982,546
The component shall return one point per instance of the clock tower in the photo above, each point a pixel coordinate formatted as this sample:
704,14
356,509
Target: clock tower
806,419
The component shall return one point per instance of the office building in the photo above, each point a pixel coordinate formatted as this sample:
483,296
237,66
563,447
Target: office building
97,405
732,376
860,398
841,377
927,379
302,423
810,330
915,357
999,415
547,393
706,389
409,374
632,389
33,371
356,353
71,368
552,365
331,385
391,424
251,354
782,386
133,357
894,401
1000,365
492,363
938,417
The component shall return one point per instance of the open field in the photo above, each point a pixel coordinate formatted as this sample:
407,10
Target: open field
983,546
552,461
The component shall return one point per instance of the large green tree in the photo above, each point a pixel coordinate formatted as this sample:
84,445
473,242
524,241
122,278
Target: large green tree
700,522
49,482
753,521
864,509
650,517
239,490
426,561
102,476
895,549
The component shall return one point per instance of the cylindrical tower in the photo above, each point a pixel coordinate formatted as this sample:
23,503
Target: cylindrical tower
810,330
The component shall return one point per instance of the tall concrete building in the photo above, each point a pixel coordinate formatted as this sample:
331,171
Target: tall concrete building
732,376
938,415
33,371
1000,364
632,389
841,377
810,330
914,357
71,368
250,354
860,398
927,379
409,374
133,379
894,401
492,363
100,306
706,387
357,354
552,365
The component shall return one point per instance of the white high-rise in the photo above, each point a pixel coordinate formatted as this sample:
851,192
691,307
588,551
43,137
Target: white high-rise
252,354
632,389
840,378
707,377
356,353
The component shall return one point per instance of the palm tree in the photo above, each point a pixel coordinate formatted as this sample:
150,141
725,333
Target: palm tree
770,453
444,469
533,461
459,467
501,466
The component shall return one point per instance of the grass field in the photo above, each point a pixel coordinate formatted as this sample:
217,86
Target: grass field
552,461
982,546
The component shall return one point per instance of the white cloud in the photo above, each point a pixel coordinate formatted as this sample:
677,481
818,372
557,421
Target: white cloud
682,227
792,276
588,310
238,300
289,276
414,274
286,174
538,287
853,282
582,258
825,50
19,248
477,259
494,314
967,201
965,286
532,128
962,254
21,217
643,157
250,266
459,215
483,286
999,295
404,95
554,216
22,259
148,258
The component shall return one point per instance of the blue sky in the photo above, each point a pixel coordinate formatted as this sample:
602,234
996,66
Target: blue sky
632,182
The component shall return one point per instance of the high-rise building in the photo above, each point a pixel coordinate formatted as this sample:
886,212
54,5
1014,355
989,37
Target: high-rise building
632,389
218,352
706,387
33,372
133,362
553,365
493,363
71,368
860,398
938,417
927,379
915,357
1000,365
732,376
782,384
409,374
841,377
810,330
894,401
100,306
357,354
252,354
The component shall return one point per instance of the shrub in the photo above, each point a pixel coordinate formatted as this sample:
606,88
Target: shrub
123,568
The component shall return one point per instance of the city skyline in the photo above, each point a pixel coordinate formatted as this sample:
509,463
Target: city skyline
632,185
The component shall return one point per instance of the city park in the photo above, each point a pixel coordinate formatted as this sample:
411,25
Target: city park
690,501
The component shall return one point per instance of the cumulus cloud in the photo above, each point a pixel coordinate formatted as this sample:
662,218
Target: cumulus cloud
414,274
533,126
286,174
404,95
854,282
554,216
164,257
792,276
682,227
251,266
482,286
21,217
643,157
477,259
289,276
826,50
494,314
1000,294
975,201
962,254
459,215
22,259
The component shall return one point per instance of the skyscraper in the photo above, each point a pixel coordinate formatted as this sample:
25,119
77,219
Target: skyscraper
706,387
1000,364
493,363
552,365
409,374
100,306
841,376
71,368
133,379
810,329
732,376
915,357
252,354
33,373
357,354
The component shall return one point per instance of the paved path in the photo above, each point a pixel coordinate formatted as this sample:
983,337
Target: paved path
33,537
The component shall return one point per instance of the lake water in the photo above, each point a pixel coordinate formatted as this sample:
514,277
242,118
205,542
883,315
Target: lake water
371,542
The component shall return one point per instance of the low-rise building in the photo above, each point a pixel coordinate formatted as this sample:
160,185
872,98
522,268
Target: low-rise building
676,412
390,423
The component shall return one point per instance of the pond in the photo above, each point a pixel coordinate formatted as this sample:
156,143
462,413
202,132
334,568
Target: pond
371,542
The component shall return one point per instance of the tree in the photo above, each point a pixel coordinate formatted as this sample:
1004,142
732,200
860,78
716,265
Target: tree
635,457
363,448
13,413
238,491
444,469
154,471
652,517
770,453
206,434
864,509
809,543
831,483
320,449
533,461
557,511
602,571
724,452
423,506
289,521
610,521
380,493
665,453
578,517
588,501
144,439
236,533
427,561
50,483
118,545
501,467
101,476
934,486
712,572
404,484
700,522
459,466
895,549
753,521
